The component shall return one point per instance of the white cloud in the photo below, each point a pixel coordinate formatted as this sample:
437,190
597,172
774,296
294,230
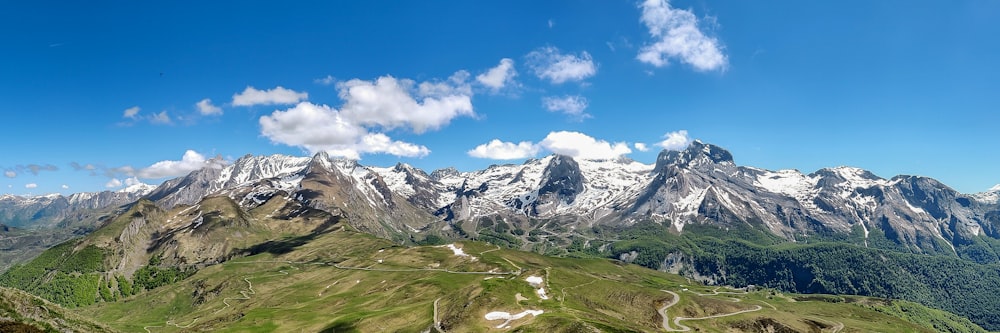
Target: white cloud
571,105
676,35
390,103
279,95
191,161
678,140
499,150
206,108
326,81
381,143
498,77
322,128
551,23
549,64
10,174
161,118
64,186
30,185
113,183
370,108
131,112
579,145
132,181
640,146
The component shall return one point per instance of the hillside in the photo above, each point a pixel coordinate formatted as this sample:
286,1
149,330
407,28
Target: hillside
22,312
345,281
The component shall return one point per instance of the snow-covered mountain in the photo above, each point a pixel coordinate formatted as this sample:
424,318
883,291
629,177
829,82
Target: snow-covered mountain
557,195
52,209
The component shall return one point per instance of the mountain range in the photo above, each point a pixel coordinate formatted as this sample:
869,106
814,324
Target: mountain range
553,205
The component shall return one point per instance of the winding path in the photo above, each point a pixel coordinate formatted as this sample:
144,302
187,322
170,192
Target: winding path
677,320
437,324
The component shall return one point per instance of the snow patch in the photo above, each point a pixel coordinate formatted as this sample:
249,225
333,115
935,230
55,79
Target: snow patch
538,282
457,250
500,315
534,281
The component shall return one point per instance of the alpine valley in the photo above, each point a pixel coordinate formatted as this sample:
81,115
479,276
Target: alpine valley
282,243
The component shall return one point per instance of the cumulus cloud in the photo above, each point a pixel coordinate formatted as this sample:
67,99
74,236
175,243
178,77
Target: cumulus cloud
279,95
499,150
10,174
64,186
113,183
322,128
30,185
131,112
206,108
391,103
498,77
573,144
640,146
132,181
369,110
191,161
549,63
677,140
579,145
676,36
161,118
573,105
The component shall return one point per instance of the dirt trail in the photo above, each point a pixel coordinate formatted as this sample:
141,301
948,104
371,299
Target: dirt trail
437,324
677,320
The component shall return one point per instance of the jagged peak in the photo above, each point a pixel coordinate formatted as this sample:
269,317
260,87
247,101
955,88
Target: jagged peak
697,153
849,172
445,173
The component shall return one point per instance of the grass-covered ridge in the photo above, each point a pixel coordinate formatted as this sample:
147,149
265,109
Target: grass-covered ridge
345,281
943,282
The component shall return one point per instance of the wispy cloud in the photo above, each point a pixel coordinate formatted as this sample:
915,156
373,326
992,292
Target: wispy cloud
326,81
277,96
206,108
131,112
572,105
498,77
676,35
161,118
550,64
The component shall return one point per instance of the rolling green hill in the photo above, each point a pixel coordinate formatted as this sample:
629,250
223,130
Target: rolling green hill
344,281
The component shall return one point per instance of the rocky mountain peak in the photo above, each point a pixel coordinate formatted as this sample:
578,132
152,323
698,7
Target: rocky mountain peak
697,153
563,178
445,173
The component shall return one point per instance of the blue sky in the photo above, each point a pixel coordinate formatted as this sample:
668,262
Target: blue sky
96,95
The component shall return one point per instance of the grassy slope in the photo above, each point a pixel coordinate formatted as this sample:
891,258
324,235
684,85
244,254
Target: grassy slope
20,307
302,291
